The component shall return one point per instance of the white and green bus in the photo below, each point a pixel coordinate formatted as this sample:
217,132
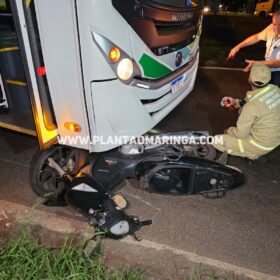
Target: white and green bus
86,69
95,67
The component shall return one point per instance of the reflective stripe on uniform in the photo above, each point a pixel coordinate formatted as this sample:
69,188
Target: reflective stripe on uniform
265,90
241,147
253,142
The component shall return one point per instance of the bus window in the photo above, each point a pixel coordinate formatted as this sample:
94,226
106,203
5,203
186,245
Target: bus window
179,3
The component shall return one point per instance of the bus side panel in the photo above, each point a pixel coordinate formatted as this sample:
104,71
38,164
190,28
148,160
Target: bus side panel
46,137
60,44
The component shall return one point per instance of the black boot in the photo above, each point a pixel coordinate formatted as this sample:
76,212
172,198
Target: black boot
262,160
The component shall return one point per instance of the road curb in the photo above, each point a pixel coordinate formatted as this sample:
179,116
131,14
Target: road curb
53,229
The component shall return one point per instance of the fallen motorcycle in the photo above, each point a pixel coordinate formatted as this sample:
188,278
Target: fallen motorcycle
88,182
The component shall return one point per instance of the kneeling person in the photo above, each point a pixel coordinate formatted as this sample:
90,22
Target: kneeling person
258,127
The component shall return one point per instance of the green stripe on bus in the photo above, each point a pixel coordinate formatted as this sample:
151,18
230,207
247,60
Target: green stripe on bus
153,68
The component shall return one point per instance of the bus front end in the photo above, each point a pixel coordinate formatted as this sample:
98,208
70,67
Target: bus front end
138,60
150,50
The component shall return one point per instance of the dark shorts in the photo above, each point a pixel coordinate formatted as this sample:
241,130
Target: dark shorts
275,78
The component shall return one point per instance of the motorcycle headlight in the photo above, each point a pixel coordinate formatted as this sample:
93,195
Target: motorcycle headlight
125,69
120,228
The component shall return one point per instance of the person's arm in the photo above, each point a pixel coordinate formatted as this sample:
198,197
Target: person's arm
247,42
272,63
244,122
261,36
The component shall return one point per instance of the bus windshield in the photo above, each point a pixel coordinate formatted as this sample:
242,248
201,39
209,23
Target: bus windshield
179,3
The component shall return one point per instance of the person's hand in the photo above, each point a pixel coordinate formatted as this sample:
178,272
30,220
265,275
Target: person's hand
230,103
233,52
236,103
249,66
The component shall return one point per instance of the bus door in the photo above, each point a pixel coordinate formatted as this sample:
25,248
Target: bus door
26,105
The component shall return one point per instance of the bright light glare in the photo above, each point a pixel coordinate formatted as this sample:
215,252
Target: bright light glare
206,9
125,69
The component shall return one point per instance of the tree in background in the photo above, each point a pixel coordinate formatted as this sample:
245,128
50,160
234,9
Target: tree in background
251,5
235,5
213,5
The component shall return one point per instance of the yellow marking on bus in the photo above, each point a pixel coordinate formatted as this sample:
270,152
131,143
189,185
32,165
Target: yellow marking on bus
16,83
27,3
9,49
18,129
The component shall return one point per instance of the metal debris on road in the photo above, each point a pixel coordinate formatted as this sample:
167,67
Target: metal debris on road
3,216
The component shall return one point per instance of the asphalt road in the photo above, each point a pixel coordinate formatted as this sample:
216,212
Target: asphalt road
242,228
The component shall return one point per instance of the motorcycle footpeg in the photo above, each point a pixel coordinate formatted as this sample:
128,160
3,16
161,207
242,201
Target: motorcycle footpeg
136,237
214,194
145,223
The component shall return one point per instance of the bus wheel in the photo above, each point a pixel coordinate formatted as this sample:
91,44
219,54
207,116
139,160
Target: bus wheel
45,180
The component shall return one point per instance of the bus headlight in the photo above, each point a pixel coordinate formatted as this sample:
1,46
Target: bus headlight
125,69
121,63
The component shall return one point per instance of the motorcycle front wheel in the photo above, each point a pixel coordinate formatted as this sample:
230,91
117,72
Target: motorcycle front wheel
44,178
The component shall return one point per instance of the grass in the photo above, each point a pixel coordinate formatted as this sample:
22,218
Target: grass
24,258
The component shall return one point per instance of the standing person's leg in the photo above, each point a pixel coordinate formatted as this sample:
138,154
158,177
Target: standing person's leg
275,78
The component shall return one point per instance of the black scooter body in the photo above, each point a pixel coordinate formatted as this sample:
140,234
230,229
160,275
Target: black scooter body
187,176
165,169
86,193
197,174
